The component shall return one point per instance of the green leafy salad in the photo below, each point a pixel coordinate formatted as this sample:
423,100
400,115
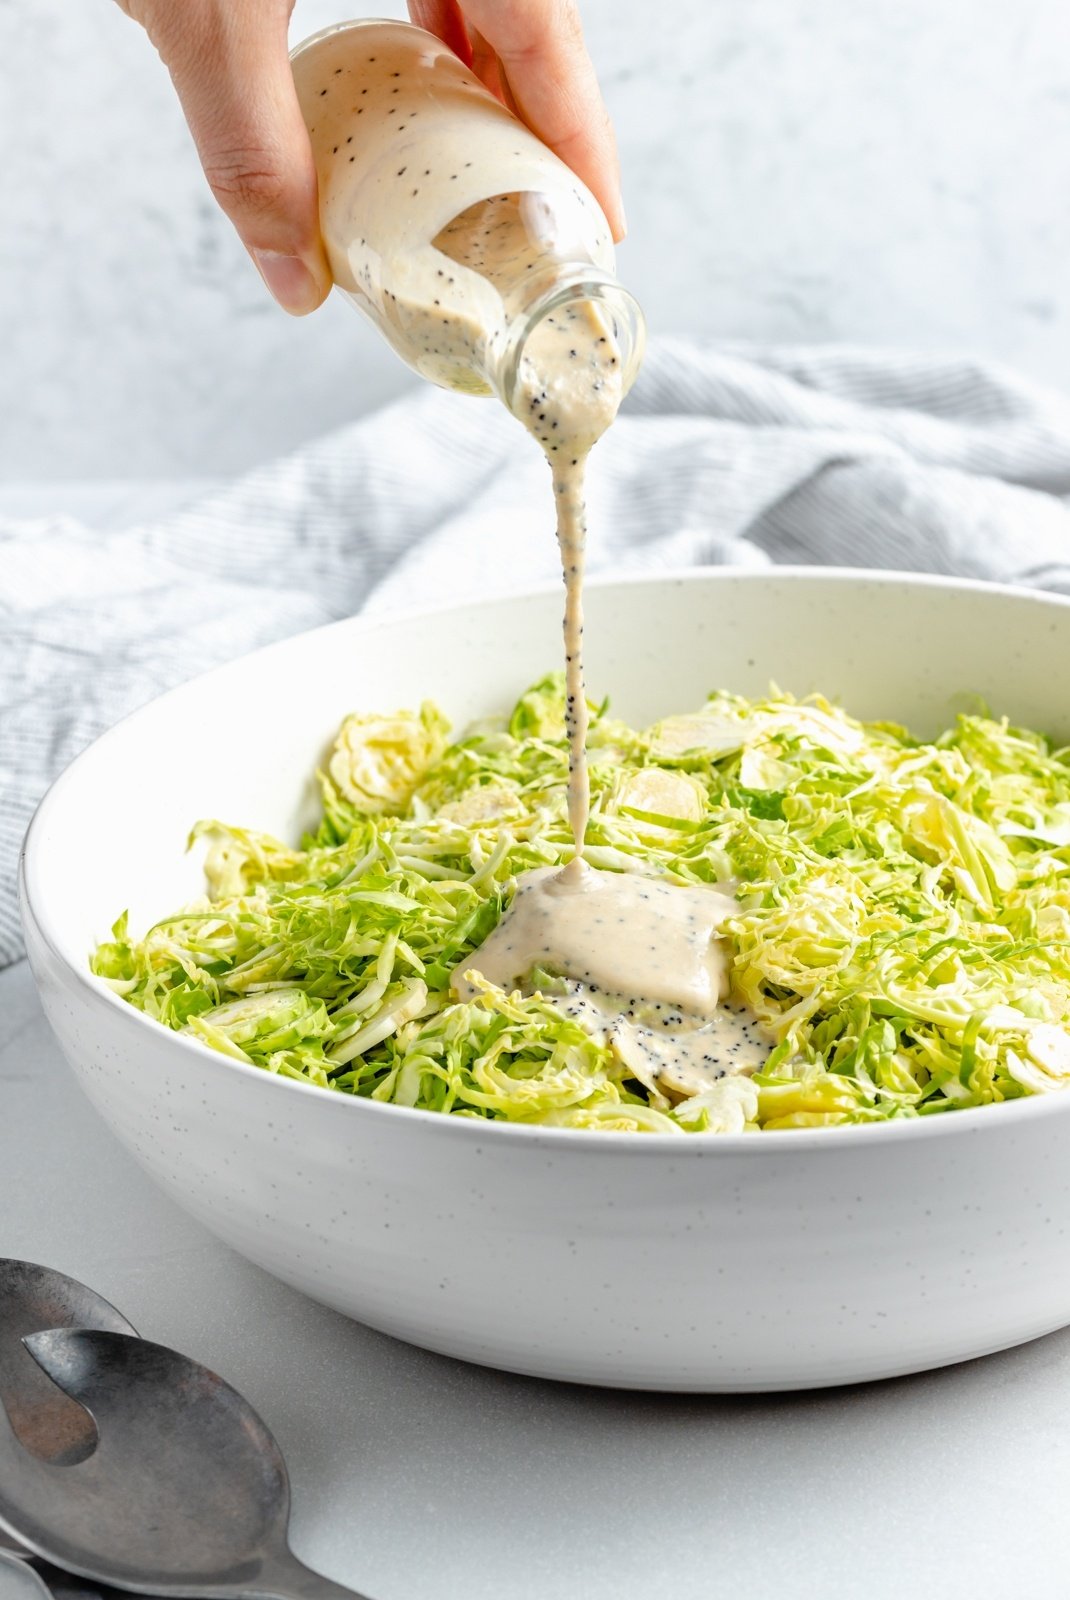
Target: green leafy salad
903,931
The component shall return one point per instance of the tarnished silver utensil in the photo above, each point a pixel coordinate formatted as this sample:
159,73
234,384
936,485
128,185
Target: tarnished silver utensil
46,1421
185,1494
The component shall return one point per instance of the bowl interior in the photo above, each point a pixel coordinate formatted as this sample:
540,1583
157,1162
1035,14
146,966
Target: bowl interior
241,743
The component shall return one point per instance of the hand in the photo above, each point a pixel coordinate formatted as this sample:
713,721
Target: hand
531,54
229,61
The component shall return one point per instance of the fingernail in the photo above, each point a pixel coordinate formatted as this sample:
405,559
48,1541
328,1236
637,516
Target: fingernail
289,280
623,218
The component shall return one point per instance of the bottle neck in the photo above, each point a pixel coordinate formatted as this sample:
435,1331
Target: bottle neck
567,290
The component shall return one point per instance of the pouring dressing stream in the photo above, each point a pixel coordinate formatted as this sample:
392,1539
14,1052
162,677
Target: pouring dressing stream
488,266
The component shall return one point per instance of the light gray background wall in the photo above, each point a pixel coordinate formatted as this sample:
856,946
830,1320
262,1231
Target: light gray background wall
892,171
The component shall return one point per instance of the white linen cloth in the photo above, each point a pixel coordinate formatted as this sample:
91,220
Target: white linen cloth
725,455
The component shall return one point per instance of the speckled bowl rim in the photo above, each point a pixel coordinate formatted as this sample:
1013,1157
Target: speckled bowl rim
967,1122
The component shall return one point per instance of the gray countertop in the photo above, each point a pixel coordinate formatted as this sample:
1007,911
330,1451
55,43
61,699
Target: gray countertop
419,1478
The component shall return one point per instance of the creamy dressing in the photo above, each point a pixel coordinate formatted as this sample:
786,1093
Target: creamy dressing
568,392
669,1049
409,151
639,962
613,931
646,965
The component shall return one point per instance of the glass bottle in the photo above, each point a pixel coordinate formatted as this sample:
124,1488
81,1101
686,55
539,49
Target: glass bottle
446,221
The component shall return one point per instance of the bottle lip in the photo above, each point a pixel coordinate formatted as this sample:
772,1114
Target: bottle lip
572,285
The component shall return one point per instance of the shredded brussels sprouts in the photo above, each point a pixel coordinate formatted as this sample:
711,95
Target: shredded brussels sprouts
903,927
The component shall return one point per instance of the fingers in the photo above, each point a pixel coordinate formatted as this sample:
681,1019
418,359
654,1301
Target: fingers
544,62
445,19
488,69
229,63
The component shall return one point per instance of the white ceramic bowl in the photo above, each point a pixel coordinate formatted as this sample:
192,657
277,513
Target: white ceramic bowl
753,1262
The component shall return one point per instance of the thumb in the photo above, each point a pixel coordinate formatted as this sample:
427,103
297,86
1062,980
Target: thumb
230,66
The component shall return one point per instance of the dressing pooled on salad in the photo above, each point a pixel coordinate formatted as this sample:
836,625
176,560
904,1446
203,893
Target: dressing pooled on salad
639,961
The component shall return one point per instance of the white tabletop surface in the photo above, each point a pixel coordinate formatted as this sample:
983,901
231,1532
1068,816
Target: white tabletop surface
419,1478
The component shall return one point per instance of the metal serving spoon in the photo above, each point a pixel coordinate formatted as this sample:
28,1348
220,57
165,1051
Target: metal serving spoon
186,1493
46,1422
